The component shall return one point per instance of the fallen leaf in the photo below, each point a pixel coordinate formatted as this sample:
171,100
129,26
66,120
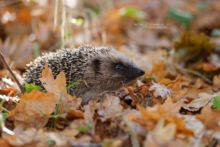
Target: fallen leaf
34,106
194,124
164,133
8,91
24,138
24,15
207,67
202,100
89,112
57,138
172,108
150,116
160,90
74,114
156,70
56,86
178,86
216,81
210,117
151,141
4,143
110,108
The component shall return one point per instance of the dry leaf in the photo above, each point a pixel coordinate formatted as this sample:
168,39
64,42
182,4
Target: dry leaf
150,117
24,15
178,86
34,109
211,118
216,81
110,108
172,108
194,124
4,143
89,112
23,137
151,142
57,86
163,133
8,91
74,114
160,90
156,70
202,100
207,67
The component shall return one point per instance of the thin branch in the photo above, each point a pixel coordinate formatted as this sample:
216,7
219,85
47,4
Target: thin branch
11,72
193,72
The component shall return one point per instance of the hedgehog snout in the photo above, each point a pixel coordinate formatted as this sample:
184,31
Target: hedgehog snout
140,72
133,73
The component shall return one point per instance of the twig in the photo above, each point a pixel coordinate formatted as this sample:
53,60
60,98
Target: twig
193,72
11,72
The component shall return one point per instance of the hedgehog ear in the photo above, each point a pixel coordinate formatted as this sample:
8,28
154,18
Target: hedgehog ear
96,65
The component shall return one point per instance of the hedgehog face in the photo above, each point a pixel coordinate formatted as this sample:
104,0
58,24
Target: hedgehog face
127,72
115,70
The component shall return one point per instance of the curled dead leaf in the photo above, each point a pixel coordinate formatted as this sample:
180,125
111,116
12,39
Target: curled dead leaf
203,100
74,114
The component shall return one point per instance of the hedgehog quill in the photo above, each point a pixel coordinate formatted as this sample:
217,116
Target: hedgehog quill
100,68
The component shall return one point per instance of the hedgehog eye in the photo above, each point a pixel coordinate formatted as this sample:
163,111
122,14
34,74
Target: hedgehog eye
119,67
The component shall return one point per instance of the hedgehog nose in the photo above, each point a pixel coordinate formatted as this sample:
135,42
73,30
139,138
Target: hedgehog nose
141,72
134,73
137,72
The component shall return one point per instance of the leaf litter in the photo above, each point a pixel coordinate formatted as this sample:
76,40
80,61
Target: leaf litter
162,123
176,103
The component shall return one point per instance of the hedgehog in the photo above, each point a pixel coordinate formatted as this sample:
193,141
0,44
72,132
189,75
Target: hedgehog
99,69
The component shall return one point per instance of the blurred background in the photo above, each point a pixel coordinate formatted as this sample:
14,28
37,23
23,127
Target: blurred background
136,27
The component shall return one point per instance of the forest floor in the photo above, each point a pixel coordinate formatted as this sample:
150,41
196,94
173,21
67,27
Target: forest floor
176,102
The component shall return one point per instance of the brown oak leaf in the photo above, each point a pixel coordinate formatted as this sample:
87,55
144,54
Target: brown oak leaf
34,109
